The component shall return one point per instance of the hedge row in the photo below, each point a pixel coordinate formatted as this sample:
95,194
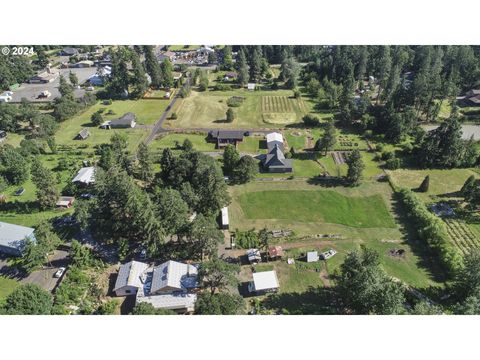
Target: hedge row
432,230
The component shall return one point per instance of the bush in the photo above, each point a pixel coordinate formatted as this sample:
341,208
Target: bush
174,116
246,239
432,230
297,94
393,163
107,102
230,115
311,120
387,155
235,101
222,87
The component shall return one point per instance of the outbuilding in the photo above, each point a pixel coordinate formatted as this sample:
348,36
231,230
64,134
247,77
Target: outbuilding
85,176
312,256
65,202
83,135
225,223
13,238
264,282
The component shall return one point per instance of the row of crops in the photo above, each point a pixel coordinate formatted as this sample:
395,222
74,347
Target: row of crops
461,235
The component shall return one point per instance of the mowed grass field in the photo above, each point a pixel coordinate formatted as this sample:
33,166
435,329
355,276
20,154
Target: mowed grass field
442,182
317,206
361,216
6,287
208,109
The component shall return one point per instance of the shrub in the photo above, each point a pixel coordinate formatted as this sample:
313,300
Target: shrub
297,94
393,163
387,155
222,87
173,116
246,239
432,230
311,120
235,101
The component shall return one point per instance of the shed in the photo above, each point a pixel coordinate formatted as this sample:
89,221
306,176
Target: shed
275,252
65,201
85,176
312,256
13,238
82,135
264,281
225,222
251,86
129,278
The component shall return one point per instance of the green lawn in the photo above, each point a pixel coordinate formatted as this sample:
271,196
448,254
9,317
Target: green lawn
6,287
183,47
317,206
208,109
251,144
442,182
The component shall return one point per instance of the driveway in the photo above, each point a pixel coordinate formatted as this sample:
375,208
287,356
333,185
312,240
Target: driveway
45,277
31,91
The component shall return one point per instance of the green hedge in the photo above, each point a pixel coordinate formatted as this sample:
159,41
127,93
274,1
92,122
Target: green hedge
432,230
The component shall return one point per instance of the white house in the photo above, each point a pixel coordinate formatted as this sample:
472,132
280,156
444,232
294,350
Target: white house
13,238
129,278
264,281
85,176
274,138
171,286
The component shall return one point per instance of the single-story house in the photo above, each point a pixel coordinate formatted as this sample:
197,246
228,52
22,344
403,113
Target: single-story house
85,176
65,201
13,238
275,252
129,278
44,77
82,135
128,120
83,64
312,256
253,256
251,86
275,161
274,138
69,51
225,222
263,282
171,286
225,137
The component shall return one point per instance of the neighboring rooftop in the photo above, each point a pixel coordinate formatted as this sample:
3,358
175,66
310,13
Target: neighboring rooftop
13,236
265,280
85,175
173,275
130,275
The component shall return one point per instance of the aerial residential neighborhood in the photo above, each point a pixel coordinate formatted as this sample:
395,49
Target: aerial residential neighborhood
240,179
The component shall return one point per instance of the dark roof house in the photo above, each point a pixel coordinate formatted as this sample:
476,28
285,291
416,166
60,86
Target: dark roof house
275,161
69,51
225,137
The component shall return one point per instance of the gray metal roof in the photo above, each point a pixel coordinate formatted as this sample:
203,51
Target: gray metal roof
129,274
126,119
173,275
13,236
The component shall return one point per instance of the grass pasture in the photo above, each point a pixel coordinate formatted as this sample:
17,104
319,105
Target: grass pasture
317,206
260,109
6,287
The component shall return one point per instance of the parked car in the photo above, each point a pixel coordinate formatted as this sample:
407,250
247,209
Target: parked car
143,254
20,192
90,88
59,272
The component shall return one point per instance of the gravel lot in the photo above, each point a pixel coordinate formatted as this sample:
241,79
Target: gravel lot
31,91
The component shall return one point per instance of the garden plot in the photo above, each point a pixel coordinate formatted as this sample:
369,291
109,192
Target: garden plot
340,157
461,235
281,109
